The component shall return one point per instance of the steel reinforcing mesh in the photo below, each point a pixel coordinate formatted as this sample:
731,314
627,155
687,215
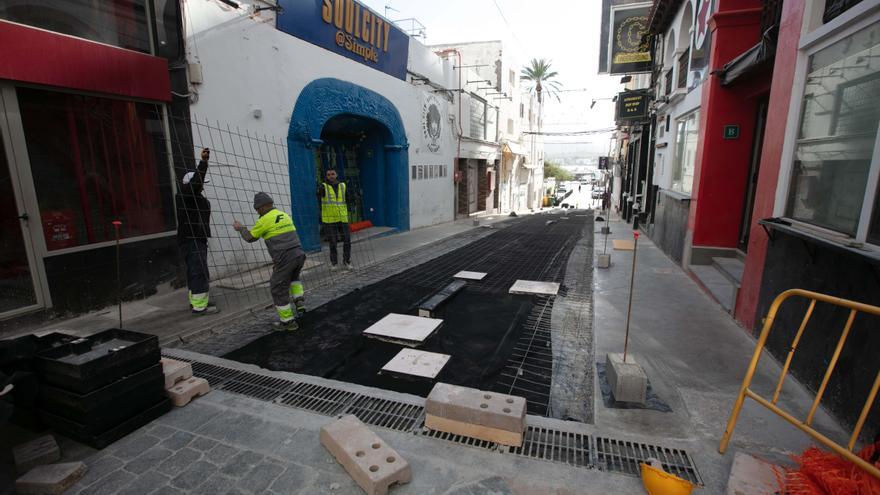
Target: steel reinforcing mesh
241,164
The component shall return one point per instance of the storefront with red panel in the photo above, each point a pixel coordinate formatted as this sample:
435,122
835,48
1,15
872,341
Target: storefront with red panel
84,100
816,219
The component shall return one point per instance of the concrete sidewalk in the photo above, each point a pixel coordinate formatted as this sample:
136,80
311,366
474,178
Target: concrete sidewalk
167,314
695,356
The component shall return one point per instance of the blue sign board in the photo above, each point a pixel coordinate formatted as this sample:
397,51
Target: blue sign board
347,28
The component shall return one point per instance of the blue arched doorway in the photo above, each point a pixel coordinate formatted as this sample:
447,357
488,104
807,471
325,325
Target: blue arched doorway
332,115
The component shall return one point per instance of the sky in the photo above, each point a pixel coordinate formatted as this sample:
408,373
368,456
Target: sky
564,31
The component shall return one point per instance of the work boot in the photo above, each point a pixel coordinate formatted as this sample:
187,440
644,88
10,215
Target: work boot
348,267
300,304
289,326
333,268
210,310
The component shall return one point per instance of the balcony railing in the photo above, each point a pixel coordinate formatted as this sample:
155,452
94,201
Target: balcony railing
683,68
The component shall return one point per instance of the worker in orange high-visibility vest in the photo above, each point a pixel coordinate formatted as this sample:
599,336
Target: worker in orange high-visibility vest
282,241
334,216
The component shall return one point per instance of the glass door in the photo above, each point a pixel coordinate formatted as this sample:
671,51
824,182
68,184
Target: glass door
16,281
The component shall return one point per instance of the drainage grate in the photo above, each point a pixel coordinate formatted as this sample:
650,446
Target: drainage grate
547,444
623,456
459,439
260,387
317,398
216,375
386,413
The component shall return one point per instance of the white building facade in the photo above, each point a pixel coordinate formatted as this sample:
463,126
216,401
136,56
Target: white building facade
346,89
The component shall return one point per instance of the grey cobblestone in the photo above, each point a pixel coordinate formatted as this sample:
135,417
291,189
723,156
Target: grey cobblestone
147,483
220,454
242,463
259,479
293,478
178,440
110,484
168,490
203,444
216,484
195,475
179,462
133,445
98,467
148,460
161,431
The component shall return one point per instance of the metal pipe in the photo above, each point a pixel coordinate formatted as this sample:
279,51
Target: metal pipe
794,345
632,281
865,410
831,365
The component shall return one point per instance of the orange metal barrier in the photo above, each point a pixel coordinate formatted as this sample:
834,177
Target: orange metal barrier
805,426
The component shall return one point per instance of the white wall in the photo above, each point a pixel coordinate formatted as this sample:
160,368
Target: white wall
247,65
673,44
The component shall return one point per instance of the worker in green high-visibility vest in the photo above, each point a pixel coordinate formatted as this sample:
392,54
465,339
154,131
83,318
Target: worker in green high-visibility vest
282,241
334,216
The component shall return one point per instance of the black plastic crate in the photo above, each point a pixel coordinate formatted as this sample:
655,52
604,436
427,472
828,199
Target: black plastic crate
87,364
82,433
110,404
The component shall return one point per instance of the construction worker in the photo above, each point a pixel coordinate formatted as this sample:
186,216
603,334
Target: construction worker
334,216
277,228
193,231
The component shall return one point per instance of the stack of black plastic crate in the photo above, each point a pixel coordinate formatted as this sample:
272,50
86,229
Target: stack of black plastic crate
98,389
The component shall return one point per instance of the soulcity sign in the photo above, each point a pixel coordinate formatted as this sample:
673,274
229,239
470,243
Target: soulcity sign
350,29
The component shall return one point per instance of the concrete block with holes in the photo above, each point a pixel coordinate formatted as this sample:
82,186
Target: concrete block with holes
629,382
50,479
474,413
370,462
175,371
185,391
42,450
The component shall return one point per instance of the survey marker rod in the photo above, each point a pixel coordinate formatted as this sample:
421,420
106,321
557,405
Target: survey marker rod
632,280
116,225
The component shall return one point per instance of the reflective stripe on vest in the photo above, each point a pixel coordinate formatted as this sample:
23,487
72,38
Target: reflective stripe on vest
333,207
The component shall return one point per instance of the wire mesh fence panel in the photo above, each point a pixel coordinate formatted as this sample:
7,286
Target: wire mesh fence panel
241,164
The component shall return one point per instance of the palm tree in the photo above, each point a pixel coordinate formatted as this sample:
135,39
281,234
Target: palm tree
540,77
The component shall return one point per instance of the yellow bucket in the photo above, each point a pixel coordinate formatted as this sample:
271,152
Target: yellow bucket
659,482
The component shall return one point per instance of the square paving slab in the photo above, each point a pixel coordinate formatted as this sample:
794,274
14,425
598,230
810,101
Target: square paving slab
406,329
534,287
470,275
417,363
623,244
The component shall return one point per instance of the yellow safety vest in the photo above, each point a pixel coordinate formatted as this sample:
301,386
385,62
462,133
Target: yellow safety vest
333,207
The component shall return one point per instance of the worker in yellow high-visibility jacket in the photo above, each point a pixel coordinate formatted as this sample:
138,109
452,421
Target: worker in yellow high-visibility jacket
282,241
334,216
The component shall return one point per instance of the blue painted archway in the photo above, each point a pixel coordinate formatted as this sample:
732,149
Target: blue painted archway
319,101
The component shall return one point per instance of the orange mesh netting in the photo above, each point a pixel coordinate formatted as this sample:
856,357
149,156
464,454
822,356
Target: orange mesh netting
826,473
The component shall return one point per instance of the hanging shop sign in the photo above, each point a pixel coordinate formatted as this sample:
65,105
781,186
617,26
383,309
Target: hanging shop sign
629,43
348,28
631,105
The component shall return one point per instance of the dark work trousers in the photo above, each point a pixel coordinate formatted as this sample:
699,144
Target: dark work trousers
195,255
288,265
334,232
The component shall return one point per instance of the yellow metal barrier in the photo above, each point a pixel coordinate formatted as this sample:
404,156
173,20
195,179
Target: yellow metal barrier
805,425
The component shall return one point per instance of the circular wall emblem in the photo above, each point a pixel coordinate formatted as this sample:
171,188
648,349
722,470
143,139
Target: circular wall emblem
432,123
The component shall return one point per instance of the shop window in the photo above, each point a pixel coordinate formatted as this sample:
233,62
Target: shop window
683,61
121,23
685,153
830,185
95,160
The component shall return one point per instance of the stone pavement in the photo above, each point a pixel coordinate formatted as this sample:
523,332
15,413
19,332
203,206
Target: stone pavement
228,444
695,356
